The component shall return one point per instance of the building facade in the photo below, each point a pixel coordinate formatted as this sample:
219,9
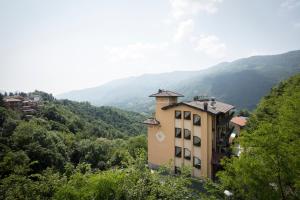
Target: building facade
193,133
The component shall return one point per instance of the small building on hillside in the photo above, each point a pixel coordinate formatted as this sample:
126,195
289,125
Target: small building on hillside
13,103
238,123
194,133
25,105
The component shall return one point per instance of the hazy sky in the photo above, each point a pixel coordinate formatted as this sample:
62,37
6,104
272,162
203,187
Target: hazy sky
60,45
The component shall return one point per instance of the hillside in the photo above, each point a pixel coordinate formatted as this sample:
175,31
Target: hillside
87,120
242,83
272,147
101,121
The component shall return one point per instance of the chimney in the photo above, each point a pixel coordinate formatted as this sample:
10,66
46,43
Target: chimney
213,102
205,104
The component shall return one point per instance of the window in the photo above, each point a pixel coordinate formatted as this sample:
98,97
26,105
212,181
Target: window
178,152
178,132
196,120
197,162
187,115
177,170
187,134
187,154
177,114
196,141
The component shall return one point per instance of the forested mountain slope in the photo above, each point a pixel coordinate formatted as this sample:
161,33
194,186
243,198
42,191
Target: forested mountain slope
268,167
102,121
71,150
241,83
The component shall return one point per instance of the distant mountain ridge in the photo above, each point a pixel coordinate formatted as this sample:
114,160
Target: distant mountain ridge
241,83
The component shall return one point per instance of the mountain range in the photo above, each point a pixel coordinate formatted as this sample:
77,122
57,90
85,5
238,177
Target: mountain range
241,83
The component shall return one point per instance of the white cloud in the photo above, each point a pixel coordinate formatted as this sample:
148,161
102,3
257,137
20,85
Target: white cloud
183,12
183,8
136,51
290,4
184,29
211,46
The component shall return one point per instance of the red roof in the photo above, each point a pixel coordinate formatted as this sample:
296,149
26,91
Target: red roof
241,121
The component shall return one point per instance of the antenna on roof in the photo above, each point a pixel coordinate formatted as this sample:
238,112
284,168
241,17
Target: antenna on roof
201,98
213,102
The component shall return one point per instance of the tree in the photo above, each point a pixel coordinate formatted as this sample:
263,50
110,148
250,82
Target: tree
92,152
1,100
35,186
14,162
244,113
269,165
135,182
53,113
41,145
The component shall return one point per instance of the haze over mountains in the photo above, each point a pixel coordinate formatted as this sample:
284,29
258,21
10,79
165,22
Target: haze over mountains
241,83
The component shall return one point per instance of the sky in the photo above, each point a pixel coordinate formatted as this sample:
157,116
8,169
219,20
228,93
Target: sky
62,45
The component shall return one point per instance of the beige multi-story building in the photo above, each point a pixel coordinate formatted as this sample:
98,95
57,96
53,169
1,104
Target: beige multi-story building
191,133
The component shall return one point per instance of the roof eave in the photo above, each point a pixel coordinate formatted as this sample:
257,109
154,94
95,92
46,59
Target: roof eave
182,103
155,95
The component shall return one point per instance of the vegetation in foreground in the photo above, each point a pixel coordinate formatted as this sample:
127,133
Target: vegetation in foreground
269,167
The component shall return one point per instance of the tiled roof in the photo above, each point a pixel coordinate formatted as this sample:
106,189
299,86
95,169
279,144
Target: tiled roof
241,121
215,108
12,100
166,93
151,121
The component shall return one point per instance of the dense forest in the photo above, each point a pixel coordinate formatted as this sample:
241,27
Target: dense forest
269,167
73,150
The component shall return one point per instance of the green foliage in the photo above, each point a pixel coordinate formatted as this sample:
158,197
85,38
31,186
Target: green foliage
15,162
244,113
3,116
269,165
52,113
135,182
41,145
35,186
64,144
44,96
87,120
1,100
96,152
